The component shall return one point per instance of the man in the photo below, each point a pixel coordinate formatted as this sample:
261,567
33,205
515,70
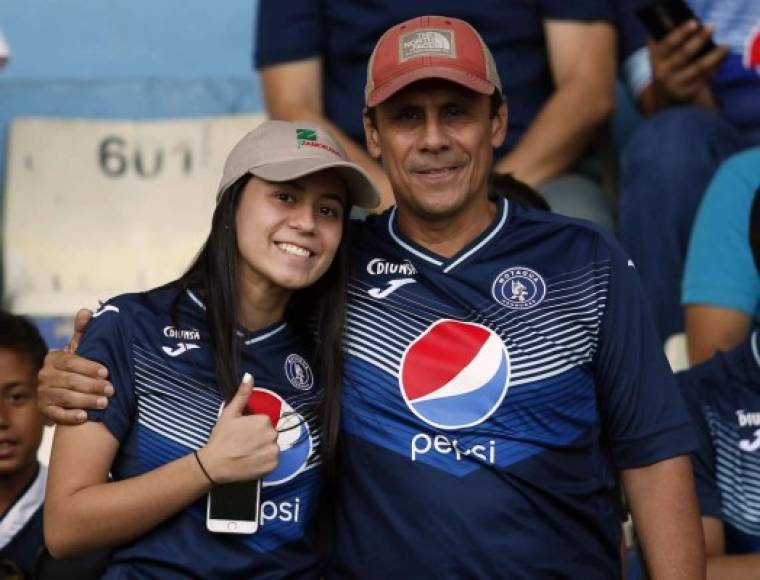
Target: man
556,59
499,367
723,394
721,286
700,109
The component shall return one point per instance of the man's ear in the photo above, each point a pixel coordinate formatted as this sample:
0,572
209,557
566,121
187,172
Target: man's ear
371,136
499,125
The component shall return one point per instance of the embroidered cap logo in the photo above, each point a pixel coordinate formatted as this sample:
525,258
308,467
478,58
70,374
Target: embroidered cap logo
305,135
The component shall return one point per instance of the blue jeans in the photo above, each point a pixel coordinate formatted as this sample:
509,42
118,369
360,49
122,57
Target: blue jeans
666,167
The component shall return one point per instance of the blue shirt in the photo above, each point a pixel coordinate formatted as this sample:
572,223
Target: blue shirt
724,397
488,399
165,406
344,32
720,269
21,526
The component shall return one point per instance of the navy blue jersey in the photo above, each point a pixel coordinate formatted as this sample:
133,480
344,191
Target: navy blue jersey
489,398
724,396
165,406
21,528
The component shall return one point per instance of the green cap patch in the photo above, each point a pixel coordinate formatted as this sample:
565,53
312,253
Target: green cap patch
305,135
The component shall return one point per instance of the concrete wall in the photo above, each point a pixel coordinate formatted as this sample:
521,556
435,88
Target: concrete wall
121,59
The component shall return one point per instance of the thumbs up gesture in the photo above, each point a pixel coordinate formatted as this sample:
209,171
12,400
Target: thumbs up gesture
241,447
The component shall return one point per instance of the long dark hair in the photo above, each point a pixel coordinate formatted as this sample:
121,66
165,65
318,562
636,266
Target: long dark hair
213,274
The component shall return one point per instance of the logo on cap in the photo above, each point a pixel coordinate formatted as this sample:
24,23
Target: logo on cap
308,138
305,135
455,375
427,43
293,436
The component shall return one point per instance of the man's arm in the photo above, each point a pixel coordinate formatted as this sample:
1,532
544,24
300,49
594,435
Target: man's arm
710,329
723,567
293,91
69,384
582,56
679,76
666,517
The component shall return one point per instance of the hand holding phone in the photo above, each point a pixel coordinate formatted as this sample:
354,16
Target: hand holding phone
241,450
683,56
661,17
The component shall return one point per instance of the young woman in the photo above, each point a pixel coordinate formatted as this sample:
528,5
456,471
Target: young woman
273,263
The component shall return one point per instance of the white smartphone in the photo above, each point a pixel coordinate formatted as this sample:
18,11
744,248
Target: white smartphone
234,508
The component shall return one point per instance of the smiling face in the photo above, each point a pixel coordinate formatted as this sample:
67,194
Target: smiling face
288,233
21,422
436,139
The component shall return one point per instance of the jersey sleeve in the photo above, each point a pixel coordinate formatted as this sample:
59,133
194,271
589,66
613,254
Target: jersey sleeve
720,269
703,456
106,340
642,412
286,31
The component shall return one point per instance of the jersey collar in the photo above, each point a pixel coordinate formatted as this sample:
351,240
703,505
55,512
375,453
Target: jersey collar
446,265
249,338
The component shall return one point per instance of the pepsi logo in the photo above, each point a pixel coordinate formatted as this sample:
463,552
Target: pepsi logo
752,49
294,438
455,375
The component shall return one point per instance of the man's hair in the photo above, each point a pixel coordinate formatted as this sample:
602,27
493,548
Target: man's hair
496,100
505,185
19,334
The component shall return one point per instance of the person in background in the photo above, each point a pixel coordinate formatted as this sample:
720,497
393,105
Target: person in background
723,394
556,60
700,109
22,478
721,287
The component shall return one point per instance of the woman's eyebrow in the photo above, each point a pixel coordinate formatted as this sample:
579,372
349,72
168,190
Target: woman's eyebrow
292,183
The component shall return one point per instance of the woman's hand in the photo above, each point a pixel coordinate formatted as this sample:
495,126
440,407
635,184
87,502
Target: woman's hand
241,447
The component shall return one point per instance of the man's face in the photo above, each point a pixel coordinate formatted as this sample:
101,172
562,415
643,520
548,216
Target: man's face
20,421
436,139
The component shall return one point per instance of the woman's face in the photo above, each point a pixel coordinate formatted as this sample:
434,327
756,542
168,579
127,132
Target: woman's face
288,233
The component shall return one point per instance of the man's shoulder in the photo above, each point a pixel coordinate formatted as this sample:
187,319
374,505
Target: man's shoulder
570,232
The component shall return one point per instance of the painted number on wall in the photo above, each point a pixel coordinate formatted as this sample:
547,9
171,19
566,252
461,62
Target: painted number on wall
118,158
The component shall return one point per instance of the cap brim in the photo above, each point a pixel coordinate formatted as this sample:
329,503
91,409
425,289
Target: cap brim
460,77
361,189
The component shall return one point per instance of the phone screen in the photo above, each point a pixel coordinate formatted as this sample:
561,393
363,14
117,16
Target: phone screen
237,501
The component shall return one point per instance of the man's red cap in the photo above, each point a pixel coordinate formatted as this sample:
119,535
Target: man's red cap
429,47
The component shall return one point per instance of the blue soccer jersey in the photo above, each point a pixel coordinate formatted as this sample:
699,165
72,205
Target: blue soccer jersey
724,397
488,399
165,406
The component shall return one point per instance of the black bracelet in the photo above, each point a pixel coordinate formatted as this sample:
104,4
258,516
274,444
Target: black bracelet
203,469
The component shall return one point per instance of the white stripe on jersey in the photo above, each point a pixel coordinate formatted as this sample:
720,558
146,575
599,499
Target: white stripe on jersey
557,335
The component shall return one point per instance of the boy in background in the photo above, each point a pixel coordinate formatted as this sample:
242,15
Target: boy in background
22,478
